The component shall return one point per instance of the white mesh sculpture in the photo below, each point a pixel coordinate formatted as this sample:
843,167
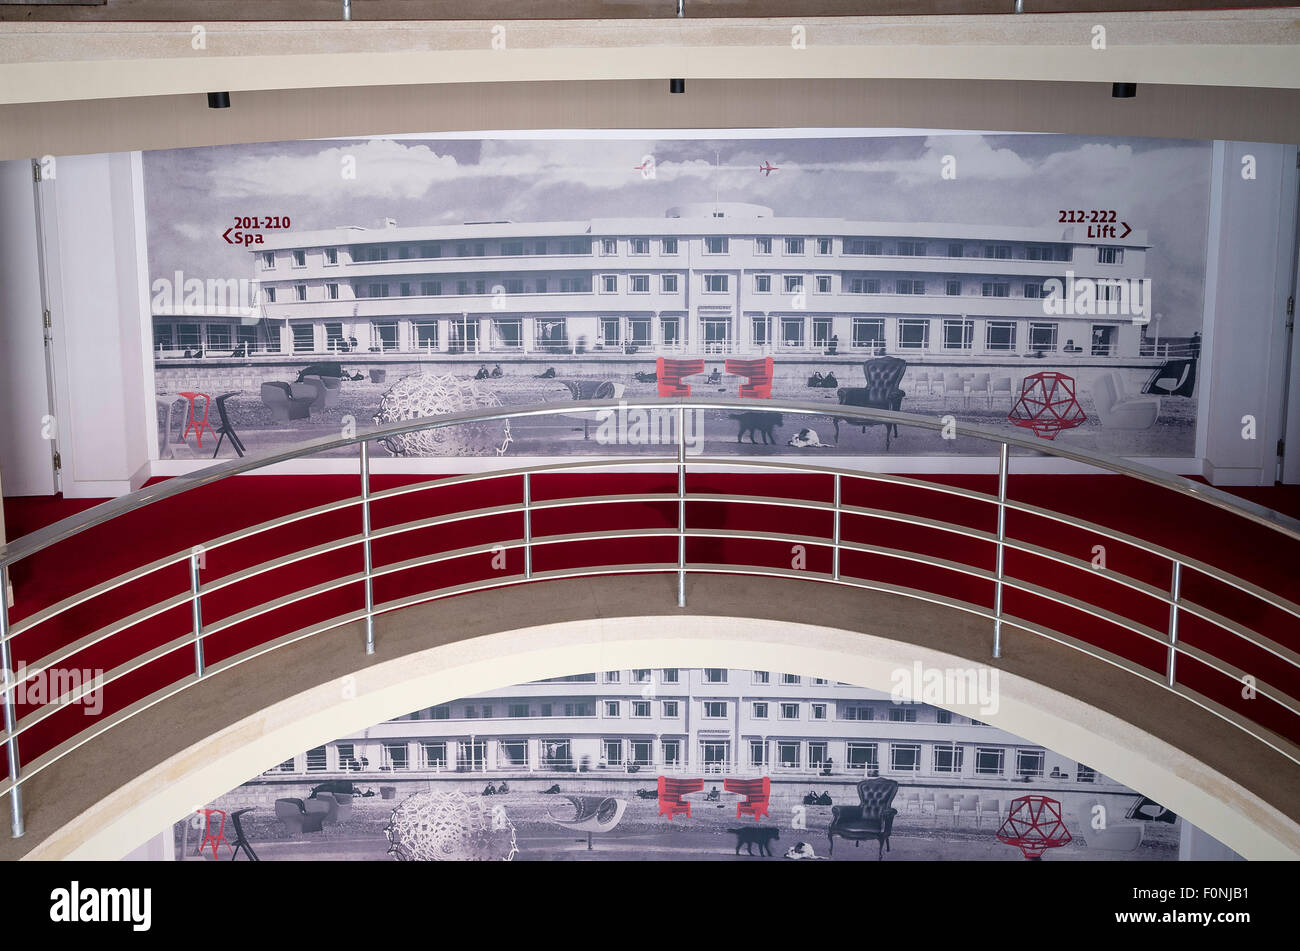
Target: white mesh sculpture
414,397
450,827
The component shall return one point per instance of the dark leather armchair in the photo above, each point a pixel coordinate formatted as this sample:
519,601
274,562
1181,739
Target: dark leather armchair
872,818
881,392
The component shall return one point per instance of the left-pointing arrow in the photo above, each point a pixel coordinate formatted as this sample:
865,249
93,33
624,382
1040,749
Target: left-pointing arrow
226,235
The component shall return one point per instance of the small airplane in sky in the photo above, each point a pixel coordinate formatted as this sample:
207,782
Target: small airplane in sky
648,163
767,168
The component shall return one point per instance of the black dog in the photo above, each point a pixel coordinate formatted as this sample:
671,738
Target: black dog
762,836
762,423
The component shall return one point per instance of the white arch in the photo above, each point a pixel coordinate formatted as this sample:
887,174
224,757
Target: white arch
135,812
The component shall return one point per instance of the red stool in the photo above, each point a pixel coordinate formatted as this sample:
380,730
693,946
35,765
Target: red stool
1034,825
196,423
208,835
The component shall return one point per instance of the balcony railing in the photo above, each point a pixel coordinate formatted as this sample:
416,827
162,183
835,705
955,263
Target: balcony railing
1197,635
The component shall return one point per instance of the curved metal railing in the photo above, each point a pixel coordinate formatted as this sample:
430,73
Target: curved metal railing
994,580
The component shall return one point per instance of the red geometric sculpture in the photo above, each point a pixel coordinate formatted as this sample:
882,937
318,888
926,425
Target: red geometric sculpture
1034,825
758,374
1047,404
671,792
757,793
217,837
670,372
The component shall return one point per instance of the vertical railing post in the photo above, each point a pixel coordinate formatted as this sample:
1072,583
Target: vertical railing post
1002,534
1176,592
835,554
681,506
365,545
7,699
196,610
528,526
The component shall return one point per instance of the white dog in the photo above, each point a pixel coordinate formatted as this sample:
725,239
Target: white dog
805,438
802,850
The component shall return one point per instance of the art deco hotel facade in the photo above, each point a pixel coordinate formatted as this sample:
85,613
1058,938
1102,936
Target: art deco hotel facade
706,279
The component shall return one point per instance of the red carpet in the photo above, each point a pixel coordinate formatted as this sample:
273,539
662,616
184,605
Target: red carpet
1198,531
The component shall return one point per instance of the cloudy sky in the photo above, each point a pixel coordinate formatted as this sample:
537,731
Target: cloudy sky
1160,185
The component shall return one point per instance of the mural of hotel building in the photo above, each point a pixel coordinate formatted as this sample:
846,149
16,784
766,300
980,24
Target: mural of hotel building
709,278
695,722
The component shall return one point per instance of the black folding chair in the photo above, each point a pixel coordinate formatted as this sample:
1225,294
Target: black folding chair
241,841
227,429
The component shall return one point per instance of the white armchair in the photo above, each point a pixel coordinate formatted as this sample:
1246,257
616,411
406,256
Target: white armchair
1117,410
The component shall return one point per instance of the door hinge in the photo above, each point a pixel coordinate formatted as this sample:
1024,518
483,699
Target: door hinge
58,461
36,170
1281,447
45,319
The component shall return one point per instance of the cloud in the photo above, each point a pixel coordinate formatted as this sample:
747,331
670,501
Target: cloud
190,230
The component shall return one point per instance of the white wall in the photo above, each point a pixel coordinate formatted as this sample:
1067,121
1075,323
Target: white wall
26,456
97,292
1248,282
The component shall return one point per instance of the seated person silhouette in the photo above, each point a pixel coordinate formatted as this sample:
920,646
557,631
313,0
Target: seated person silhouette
713,795
715,376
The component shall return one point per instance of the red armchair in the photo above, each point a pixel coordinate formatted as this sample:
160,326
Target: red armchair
670,373
757,793
759,374
671,792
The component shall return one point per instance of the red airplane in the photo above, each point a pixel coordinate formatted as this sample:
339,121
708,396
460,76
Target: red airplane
642,167
767,168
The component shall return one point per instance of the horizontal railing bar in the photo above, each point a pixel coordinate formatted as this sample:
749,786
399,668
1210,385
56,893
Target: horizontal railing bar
266,607
302,554
1110,574
888,477
1237,674
645,498
1159,637
433,521
558,467
1245,633
65,528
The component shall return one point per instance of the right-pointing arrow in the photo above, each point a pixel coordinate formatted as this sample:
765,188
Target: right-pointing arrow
1127,229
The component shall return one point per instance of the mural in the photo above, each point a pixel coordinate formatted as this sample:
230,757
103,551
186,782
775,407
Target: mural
687,765
1048,285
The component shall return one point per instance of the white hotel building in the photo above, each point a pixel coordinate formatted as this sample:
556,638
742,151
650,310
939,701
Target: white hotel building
724,278
692,722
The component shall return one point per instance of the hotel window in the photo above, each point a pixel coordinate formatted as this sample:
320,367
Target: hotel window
902,714
909,287
1110,255
613,752
1000,335
641,708
332,291
670,329
1001,252
790,679
988,761
762,283
545,711
863,756
387,334
757,753
611,708
162,338
304,338
762,245
823,284
331,255
189,335
470,249
947,759
793,283
517,710
639,752
286,767
715,675
956,250
609,331
540,285
715,245
301,291
613,676
869,332
952,288
943,716
638,331
958,334
913,334
641,675
512,285
760,711
789,711
639,283
580,708
513,753
377,290
268,260
1034,291
300,259
608,246
430,250
792,331
861,246
480,286
794,245
864,285
333,337
670,675
1029,763
671,710
668,246
270,294
715,709
512,248
1085,774
404,252
716,283
1038,252
462,288
668,283
376,254
762,677
820,682
639,246
218,337
996,289
316,760
816,755
824,245
821,331
905,757
424,335
433,755
609,283
430,288
575,285
404,290
787,755
508,333
911,248
1042,338
819,711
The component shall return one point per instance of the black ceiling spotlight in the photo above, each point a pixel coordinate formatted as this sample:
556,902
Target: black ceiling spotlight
218,100
677,85
1123,90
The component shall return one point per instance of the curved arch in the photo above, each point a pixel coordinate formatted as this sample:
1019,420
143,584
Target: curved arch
456,648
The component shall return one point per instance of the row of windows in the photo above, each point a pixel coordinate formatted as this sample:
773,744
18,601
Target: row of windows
713,245
671,709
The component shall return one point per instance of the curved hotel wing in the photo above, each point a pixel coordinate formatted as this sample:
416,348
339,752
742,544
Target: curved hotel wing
710,278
